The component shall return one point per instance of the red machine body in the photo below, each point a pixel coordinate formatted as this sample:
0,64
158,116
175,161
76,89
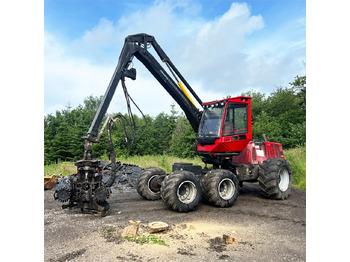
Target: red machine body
226,127
256,152
225,138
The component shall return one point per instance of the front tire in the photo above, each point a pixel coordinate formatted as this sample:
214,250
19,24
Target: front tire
148,184
220,187
275,178
181,191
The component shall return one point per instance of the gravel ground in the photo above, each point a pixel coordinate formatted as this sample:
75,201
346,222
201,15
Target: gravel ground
263,229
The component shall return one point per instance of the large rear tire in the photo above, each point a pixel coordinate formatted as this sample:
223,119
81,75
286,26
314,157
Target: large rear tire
275,178
220,187
181,191
147,183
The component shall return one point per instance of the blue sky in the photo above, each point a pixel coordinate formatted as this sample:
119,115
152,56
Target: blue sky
221,47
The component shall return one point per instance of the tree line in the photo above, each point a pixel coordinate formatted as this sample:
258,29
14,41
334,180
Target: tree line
281,115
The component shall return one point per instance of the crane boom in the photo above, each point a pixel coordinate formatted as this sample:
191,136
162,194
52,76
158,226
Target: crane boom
136,46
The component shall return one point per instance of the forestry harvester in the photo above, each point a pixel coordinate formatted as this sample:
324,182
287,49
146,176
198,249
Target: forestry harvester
224,140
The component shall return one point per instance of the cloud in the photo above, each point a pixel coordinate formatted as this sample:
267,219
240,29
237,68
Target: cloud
215,53
69,79
218,57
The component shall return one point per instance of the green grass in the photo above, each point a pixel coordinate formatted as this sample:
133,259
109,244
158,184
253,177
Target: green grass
163,161
150,239
296,157
66,168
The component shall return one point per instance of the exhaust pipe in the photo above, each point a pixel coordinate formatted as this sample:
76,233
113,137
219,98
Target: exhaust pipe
264,137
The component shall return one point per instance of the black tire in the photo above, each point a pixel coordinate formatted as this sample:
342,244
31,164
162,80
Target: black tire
275,178
147,185
220,187
181,191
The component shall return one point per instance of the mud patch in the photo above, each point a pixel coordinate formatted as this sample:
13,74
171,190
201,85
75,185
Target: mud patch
111,234
183,251
70,256
119,258
247,244
224,257
217,244
133,257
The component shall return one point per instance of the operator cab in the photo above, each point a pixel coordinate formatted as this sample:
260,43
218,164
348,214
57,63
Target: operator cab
225,127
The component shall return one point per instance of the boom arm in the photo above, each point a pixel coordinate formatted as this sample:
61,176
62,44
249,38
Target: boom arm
136,46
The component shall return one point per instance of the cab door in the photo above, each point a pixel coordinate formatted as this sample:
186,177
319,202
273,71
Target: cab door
236,127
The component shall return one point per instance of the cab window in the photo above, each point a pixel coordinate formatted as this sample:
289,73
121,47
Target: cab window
236,119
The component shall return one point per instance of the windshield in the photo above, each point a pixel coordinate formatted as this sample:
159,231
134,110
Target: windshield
211,121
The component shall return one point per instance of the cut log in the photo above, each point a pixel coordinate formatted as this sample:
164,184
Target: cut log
158,226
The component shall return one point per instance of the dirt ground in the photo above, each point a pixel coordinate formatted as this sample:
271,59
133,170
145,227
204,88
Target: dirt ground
263,230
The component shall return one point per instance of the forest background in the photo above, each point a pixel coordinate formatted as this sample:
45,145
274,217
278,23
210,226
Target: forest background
281,115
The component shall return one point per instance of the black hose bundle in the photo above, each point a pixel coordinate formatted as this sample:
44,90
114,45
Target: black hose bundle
124,123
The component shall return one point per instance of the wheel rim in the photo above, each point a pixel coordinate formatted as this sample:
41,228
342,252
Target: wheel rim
284,179
187,192
226,189
153,185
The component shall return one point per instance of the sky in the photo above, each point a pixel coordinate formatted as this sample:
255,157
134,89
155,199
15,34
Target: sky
221,48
